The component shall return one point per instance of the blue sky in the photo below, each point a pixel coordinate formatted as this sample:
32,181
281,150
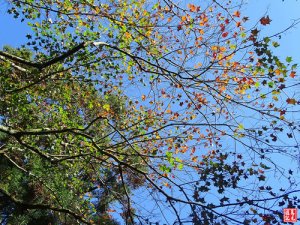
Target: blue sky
281,12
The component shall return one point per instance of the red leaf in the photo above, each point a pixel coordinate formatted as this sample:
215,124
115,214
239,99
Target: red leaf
222,27
193,150
225,34
282,112
265,20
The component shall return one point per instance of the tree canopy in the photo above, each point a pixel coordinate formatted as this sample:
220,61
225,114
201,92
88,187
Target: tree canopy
145,112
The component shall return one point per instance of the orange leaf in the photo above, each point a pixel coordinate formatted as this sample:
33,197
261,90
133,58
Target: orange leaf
222,49
237,13
195,158
200,39
167,184
277,72
201,31
183,149
127,35
291,101
193,8
293,74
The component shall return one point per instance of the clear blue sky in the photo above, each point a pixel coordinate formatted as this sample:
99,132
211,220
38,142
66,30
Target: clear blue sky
281,12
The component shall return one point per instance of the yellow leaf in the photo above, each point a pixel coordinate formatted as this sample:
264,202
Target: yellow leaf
241,127
198,65
106,107
214,48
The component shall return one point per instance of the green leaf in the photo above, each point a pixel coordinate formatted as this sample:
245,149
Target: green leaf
263,96
232,46
169,155
275,44
271,84
165,169
294,66
267,40
288,59
180,166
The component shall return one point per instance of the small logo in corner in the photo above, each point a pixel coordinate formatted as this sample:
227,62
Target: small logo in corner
290,215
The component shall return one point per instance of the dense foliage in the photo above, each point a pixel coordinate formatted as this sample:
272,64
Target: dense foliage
134,112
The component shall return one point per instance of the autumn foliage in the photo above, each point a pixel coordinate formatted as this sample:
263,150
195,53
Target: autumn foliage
144,111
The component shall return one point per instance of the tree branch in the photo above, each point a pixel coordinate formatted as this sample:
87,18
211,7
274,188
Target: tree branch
43,207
